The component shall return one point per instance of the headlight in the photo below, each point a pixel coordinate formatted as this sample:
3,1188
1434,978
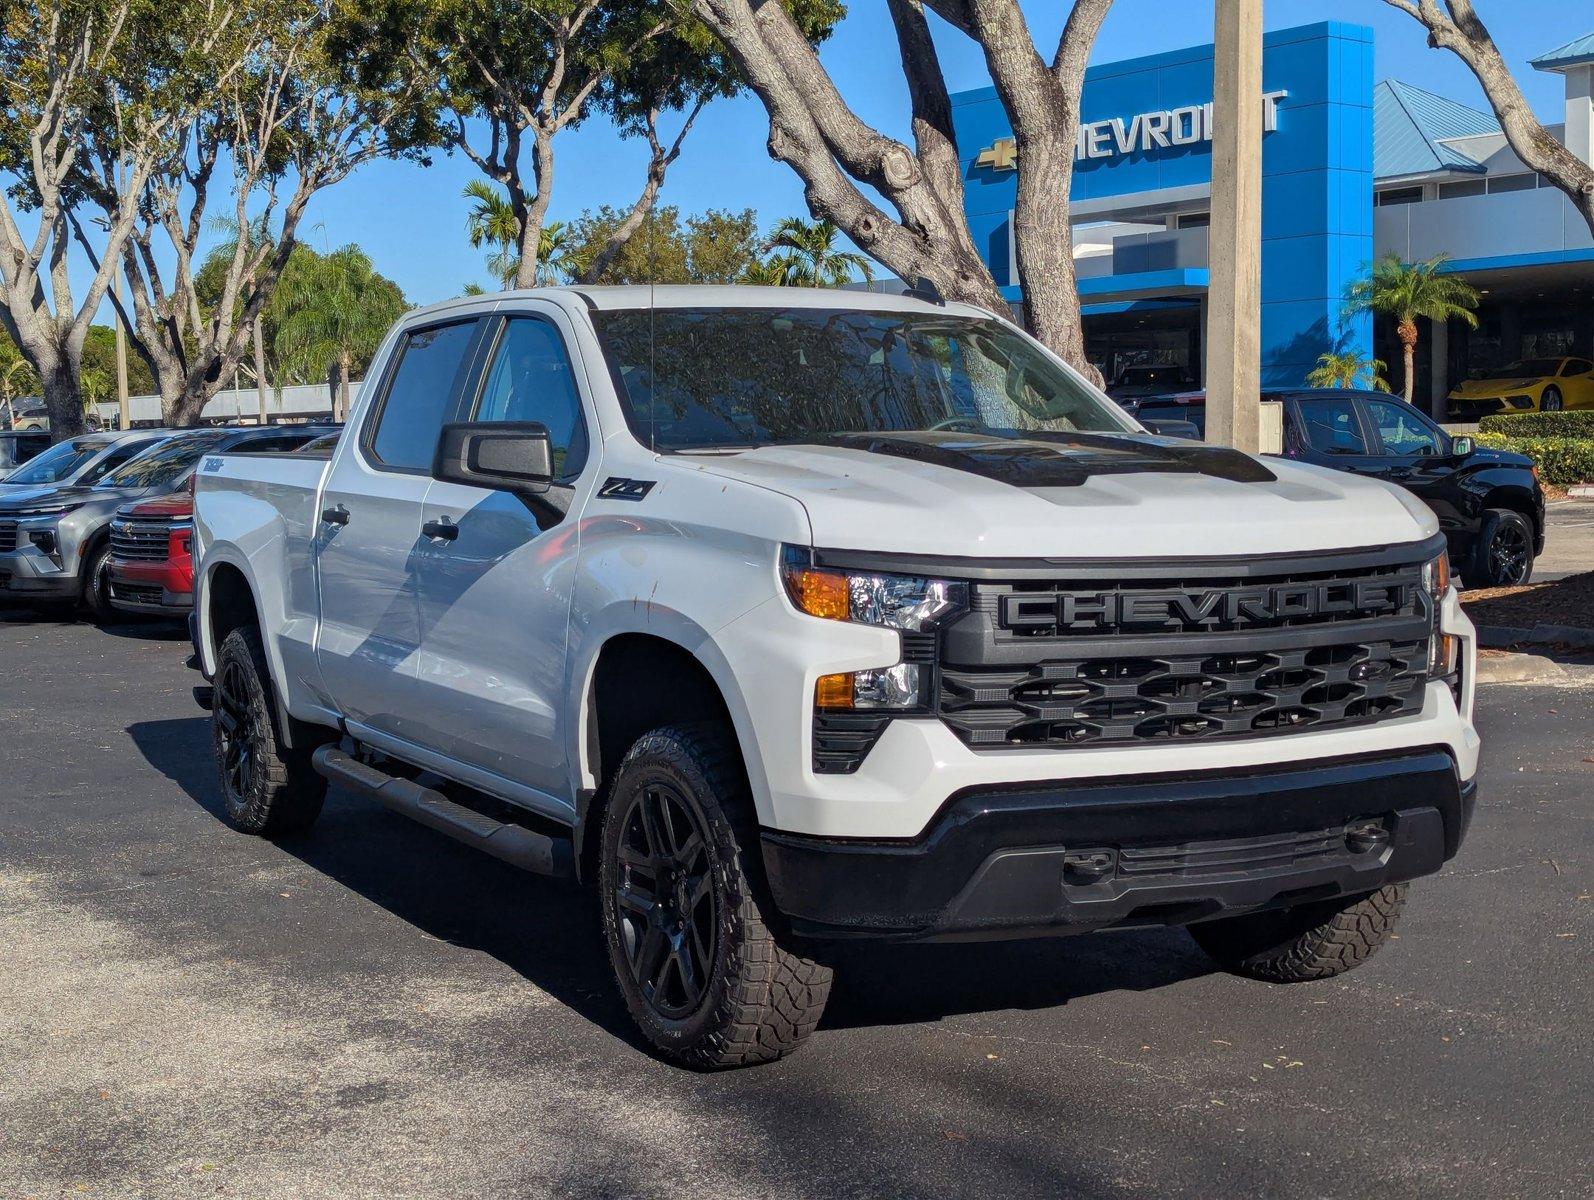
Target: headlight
908,603
1443,648
45,510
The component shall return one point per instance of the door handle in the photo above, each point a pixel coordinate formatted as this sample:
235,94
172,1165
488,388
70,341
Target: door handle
441,529
336,515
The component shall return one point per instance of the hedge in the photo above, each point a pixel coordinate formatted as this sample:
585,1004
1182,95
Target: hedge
1541,424
1561,460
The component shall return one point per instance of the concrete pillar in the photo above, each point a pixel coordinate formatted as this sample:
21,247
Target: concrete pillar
1439,368
1234,346
1580,112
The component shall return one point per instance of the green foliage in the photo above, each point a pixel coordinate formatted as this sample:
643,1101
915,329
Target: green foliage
99,358
1561,460
328,307
806,255
713,247
1406,291
491,222
1541,424
1350,369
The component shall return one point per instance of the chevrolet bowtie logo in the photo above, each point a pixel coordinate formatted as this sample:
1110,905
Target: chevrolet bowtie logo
1000,155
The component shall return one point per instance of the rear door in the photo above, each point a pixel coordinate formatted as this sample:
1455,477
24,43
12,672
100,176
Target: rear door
1328,429
369,537
496,574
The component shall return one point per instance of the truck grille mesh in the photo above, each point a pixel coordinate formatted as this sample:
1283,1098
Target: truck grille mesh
8,536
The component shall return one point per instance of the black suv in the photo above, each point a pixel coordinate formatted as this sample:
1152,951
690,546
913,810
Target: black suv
1489,502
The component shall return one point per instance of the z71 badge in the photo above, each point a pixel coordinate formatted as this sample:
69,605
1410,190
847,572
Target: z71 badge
211,464
615,488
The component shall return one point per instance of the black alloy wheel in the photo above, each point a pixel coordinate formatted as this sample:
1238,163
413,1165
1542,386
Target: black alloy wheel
1509,552
665,899
237,737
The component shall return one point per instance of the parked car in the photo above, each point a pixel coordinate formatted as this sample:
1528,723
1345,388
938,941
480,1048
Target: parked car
18,446
864,617
55,542
1529,384
1176,414
1490,503
151,564
81,461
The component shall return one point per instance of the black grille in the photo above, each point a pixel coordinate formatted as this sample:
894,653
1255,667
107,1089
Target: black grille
8,536
1144,659
137,593
140,541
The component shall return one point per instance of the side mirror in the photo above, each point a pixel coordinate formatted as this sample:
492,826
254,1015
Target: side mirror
513,456
1461,446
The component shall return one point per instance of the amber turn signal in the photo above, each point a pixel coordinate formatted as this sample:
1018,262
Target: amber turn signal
819,594
833,691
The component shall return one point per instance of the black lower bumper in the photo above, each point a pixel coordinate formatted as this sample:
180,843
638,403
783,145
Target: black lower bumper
1119,853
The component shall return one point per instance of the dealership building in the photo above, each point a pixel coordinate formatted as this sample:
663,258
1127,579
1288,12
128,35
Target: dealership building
1351,168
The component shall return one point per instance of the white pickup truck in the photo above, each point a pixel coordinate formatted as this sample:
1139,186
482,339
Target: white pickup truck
784,616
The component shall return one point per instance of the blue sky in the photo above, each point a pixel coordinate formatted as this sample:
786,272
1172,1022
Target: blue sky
410,219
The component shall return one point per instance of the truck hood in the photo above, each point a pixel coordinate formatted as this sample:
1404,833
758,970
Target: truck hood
12,503
1071,496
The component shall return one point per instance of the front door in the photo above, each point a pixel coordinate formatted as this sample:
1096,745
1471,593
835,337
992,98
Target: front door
369,537
1415,454
496,574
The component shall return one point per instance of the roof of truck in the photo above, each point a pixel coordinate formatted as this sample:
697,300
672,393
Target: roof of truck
678,295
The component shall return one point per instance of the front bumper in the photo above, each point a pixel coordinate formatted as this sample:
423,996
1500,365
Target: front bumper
162,588
27,573
1069,857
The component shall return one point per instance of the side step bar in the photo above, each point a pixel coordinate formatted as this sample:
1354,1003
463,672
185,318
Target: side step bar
514,844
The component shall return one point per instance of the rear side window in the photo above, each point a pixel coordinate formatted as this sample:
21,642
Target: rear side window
1578,366
1330,426
420,396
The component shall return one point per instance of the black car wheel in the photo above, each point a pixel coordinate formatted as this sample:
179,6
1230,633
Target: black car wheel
1504,554
97,583
1550,400
685,913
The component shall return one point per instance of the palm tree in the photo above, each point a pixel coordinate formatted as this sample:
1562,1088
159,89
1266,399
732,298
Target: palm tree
1346,369
335,310
808,256
1407,291
492,222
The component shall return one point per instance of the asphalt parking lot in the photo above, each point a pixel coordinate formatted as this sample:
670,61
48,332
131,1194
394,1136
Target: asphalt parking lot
371,1010
1568,539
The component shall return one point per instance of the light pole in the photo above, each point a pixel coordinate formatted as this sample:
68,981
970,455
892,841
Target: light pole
1234,336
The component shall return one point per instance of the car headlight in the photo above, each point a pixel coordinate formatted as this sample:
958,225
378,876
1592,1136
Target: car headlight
1443,648
45,510
907,603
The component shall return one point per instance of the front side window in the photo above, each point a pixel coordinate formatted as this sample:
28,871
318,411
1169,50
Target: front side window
1330,426
420,396
705,379
165,465
531,380
1402,431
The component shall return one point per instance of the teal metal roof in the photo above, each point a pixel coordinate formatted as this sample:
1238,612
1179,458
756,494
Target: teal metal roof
1574,54
1411,125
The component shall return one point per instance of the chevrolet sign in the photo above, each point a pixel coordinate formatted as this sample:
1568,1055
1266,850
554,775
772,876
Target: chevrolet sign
1139,134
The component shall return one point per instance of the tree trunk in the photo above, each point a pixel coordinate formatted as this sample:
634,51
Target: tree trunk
63,398
345,369
1407,332
261,387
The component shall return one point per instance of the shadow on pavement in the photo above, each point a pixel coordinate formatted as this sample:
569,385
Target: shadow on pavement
549,931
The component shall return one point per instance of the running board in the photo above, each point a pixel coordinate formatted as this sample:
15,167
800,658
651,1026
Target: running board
514,844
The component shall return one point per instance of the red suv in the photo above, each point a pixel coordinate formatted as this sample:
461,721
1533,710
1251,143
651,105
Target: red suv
151,564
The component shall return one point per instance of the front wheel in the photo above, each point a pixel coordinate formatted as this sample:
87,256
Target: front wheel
1551,400
97,584
706,979
1503,556
1311,941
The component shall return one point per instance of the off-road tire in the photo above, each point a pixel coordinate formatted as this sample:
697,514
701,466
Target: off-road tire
1550,399
762,997
279,792
97,584
1486,568
1312,941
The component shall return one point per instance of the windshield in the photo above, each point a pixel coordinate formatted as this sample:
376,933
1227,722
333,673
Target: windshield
56,463
166,465
1525,368
724,378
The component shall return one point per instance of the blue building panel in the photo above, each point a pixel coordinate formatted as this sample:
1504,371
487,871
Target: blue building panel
1317,176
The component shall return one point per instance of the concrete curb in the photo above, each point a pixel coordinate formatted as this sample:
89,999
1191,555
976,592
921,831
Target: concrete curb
1584,490
1519,668
1505,636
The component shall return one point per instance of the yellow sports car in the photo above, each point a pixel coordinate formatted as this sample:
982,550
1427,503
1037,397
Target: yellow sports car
1529,384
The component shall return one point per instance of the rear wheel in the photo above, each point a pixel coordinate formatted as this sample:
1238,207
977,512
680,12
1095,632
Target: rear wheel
268,788
1550,400
1312,941
705,977
1503,556
97,583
